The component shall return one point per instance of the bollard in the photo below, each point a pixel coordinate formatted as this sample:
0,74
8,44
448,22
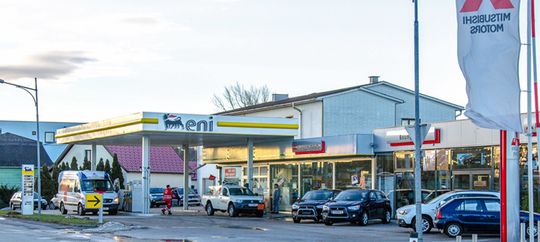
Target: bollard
522,232
458,238
474,238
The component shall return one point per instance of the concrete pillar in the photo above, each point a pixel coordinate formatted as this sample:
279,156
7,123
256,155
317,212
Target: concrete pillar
512,189
93,158
186,175
373,172
146,174
250,163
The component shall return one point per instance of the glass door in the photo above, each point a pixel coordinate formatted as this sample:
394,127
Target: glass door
472,180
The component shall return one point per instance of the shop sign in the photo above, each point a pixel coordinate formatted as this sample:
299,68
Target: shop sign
402,138
354,180
230,172
309,147
27,205
187,123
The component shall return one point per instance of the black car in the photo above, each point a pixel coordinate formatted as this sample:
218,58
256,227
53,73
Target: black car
357,207
475,214
156,197
311,205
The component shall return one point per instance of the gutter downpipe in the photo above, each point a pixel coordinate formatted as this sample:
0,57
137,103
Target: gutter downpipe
299,120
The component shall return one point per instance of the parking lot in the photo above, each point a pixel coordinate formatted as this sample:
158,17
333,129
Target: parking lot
195,225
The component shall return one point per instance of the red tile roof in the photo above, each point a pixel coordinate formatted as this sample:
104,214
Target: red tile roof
163,159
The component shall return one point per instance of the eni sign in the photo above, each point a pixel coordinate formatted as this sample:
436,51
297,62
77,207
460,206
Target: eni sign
187,123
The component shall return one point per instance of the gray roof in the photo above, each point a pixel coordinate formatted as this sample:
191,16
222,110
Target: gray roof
17,150
317,95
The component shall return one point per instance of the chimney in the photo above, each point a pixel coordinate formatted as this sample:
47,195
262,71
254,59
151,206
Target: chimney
279,97
373,79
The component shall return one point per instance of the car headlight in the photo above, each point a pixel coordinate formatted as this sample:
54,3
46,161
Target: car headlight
325,208
115,199
295,206
320,206
354,208
404,211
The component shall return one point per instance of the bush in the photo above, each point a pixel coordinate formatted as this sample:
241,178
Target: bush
6,193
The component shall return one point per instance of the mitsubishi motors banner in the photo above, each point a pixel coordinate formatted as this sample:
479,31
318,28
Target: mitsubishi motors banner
488,53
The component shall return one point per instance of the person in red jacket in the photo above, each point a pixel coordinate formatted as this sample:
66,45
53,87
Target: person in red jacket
167,198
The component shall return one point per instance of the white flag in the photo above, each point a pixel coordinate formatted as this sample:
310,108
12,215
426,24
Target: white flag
488,53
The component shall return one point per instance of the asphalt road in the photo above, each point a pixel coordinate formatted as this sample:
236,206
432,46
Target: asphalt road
199,227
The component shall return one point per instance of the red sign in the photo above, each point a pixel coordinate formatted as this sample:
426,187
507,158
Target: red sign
230,172
309,147
211,177
435,140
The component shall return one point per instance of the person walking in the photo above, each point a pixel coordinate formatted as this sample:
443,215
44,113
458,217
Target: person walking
167,198
277,198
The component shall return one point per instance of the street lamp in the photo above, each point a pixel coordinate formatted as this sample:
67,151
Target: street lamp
35,97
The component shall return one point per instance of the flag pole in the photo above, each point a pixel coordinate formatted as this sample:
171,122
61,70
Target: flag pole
529,117
502,183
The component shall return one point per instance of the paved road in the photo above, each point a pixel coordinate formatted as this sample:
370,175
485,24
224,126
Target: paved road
199,227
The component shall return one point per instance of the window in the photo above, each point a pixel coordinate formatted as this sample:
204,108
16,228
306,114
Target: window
372,196
492,205
407,121
225,192
471,157
380,196
49,137
469,205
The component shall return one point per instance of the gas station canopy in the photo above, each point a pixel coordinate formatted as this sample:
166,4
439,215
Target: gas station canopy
175,128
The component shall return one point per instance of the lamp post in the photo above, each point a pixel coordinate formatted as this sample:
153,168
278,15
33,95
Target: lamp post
35,97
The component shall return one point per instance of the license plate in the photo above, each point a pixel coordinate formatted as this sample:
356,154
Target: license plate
337,212
260,207
253,205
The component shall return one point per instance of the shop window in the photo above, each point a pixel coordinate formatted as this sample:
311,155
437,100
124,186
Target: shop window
315,175
286,177
404,160
355,174
474,157
49,137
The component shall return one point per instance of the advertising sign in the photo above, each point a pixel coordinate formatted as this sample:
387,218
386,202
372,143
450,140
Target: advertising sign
230,172
309,147
27,205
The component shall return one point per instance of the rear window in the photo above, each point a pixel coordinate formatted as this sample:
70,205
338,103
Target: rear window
469,205
492,205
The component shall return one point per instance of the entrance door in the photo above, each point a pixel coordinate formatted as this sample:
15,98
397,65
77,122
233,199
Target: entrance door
472,180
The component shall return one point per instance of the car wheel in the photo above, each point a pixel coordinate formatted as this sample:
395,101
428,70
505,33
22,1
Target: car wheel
232,210
209,209
534,230
12,206
80,210
427,225
364,219
453,229
328,222
296,220
387,217
63,208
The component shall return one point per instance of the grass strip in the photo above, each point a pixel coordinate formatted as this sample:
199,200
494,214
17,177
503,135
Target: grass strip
51,218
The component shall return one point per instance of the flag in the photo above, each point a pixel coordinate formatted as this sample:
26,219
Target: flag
488,54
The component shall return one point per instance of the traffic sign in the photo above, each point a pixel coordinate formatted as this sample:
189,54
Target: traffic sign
424,129
94,200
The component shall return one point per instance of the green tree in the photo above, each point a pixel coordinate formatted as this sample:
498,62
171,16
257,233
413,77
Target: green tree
55,173
65,166
87,165
107,166
100,166
47,183
116,172
74,166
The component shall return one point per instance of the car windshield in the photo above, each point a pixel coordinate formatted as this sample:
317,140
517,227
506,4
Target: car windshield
157,190
237,191
96,185
355,195
318,195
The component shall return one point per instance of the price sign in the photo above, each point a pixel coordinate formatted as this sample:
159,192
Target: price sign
27,205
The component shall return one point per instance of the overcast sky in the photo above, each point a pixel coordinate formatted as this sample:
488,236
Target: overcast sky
100,59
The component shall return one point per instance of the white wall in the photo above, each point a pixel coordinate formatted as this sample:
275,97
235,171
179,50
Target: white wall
158,179
79,151
312,117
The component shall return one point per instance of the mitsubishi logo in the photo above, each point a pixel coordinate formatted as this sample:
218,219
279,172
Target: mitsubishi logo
474,5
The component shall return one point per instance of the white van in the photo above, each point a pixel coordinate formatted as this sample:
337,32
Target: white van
74,185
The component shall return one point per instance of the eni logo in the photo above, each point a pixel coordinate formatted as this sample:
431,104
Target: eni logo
174,121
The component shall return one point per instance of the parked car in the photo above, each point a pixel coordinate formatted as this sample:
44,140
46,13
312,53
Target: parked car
16,201
311,204
357,206
74,185
233,199
193,198
404,197
156,197
406,216
475,214
54,203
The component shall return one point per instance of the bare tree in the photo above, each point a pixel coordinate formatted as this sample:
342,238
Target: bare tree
237,96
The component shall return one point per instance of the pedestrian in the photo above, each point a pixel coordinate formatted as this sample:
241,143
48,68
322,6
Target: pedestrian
277,198
194,189
167,198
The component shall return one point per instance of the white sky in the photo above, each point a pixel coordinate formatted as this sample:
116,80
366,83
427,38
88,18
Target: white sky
100,59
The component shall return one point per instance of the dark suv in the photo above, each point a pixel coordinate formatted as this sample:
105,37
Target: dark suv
311,204
357,207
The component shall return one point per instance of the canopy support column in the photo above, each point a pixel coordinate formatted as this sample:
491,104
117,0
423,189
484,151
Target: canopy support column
93,157
145,174
250,164
186,175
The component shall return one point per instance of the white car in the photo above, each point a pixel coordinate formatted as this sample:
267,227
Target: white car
233,199
406,215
